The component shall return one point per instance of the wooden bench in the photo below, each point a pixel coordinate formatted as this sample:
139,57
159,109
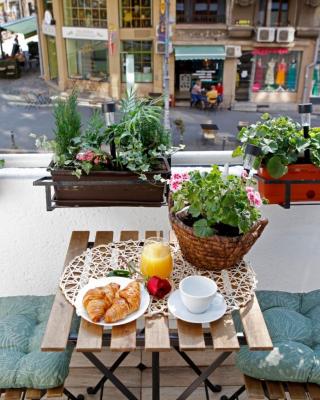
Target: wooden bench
257,389
32,394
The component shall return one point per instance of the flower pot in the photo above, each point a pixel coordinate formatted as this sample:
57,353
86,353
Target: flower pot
275,192
109,188
214,252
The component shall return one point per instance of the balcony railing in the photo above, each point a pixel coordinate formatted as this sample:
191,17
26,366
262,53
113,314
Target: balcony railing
200,19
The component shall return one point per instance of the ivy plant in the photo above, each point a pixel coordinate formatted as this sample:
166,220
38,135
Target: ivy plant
281,142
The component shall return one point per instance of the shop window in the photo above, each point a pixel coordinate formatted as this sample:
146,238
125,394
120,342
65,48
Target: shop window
87,59
136,13
142,55
201,11
277,72
86,13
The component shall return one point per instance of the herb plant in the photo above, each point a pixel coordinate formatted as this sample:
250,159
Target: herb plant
140,137
212,200
68,127
281,141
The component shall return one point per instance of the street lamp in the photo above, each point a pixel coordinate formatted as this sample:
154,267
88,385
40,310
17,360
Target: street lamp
305,109
250,155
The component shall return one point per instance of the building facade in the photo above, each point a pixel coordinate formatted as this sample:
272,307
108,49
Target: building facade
11,10
261,51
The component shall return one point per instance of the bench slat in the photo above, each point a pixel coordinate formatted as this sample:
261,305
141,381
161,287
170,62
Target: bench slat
157,333
224,334
124,337
129,235
254,388
34,394
90,335
55,392
275,390
152,234
297,391
190,336
12,394
59,323
254,326
314,391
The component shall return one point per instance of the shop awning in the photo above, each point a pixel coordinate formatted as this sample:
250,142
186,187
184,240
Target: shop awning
27,26
200,52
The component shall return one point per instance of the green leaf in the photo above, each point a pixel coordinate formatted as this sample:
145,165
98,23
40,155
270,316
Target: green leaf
276,168
2,162
237,152
202,229
194,210
265,116
86,166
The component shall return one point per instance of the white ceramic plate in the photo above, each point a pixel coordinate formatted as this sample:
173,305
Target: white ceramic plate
123,282
216,310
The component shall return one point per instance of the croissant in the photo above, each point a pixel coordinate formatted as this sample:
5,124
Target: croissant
126,302
97,301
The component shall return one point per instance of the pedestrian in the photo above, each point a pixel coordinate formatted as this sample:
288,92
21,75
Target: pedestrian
196,94
219,88
15,47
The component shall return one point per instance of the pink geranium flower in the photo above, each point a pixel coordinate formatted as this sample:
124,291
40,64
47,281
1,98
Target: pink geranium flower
257,200
175,185
97,160
89,155
176,177
249,189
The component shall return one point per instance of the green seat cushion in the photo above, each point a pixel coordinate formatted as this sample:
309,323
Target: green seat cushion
293,321
23,321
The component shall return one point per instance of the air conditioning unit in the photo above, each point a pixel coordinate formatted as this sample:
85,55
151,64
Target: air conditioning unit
160,48
233,51
266,34
285,35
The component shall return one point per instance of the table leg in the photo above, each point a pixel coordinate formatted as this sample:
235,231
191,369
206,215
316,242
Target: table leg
235,395
204,375
155,376
107,373
187,359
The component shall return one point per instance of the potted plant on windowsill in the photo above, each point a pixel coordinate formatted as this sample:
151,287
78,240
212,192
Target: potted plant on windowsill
283,147
216,219
122,164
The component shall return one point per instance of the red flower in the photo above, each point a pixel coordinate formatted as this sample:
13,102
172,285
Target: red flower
158,287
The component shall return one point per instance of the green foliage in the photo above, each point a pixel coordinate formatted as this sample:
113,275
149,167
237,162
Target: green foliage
67,126
213,199
93,136
140,137
2,162
281,141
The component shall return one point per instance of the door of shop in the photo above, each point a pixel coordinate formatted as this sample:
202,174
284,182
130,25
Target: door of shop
243,78
197,62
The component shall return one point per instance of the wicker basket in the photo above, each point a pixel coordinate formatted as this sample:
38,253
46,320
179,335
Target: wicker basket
214,252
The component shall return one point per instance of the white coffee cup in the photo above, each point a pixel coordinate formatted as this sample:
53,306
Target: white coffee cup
197,293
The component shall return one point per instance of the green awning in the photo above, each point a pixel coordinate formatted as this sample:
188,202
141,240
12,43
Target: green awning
27,26
200,52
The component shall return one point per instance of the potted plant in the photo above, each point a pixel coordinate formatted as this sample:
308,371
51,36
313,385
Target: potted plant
122,164
216,218
283,146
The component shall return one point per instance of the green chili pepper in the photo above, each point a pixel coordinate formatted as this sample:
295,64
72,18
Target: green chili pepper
120,272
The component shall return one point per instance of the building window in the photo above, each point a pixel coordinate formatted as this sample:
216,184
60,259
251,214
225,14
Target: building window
276,72
273,13
142,53
279,13
201,11
86,13
87,59
136,13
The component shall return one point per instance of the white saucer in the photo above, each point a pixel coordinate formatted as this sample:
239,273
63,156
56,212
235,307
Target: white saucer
216,310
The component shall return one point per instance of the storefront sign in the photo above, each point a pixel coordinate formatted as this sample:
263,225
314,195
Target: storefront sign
84,33
49,30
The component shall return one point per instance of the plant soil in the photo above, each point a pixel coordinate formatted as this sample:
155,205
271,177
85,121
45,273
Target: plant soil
220,228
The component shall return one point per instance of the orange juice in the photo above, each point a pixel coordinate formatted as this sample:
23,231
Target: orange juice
156,260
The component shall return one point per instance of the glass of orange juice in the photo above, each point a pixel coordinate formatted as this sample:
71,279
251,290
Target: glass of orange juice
156,258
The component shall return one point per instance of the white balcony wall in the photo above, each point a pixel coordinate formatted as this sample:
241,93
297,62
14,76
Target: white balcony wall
33,242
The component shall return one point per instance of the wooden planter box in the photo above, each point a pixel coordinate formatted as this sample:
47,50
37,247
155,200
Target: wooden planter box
299,191
108,188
